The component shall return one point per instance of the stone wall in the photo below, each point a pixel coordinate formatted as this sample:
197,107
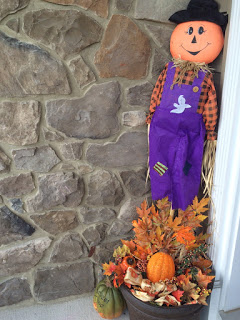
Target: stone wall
75,84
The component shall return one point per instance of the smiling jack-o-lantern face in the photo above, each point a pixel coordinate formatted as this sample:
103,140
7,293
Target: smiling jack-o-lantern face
197,41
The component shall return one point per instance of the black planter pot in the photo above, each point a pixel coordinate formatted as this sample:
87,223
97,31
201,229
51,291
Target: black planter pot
139,310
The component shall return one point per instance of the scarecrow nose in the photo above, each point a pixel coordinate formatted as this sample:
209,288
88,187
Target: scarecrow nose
194,40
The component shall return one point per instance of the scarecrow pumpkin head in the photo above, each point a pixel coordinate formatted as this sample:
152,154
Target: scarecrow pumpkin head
199,35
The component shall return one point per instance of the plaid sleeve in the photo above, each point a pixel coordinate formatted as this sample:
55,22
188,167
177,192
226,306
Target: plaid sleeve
157,94
210,108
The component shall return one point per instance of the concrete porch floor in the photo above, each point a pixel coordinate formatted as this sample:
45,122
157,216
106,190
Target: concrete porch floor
80,309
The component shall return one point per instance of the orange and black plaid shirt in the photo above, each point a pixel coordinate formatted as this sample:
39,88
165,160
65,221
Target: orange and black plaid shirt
207,105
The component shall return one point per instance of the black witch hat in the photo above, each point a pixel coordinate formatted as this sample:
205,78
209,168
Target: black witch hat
201,10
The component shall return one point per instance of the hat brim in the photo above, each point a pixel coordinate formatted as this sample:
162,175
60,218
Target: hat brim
185,16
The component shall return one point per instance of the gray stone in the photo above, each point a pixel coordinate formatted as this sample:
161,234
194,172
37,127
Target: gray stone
160,59
104,252
140,95
14,24
19,122
16,186
59,282
55,189
4,162
94,235
128,211
93,116
130,150
125,50
124,5
74,199
100,7
84,168
158,10
56,222
17,205
135,182
134,118
72,150
39,159
119,228
81,72
12,227
29,70
22,257
69,248
67,32
66,167
93,215
14,291
161,34
52,135
104,188
11,6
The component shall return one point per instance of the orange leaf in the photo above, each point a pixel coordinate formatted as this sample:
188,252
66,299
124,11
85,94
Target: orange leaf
178,294
199,207
109,268
185,235
130,244
202,263
163,204
143,211
119,277
174,224
159,233
203,280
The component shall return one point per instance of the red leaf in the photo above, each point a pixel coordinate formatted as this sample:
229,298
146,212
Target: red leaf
178,294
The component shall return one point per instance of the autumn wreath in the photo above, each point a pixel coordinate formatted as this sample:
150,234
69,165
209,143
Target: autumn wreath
166,262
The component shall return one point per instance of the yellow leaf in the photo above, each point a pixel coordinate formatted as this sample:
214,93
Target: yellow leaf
159,233
174,224
199,207
121,252
201,217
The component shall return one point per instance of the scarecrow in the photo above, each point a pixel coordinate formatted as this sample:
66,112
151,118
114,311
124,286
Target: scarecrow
183,111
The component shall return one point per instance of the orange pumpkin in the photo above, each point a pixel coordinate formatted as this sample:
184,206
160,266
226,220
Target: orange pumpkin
160,267
197,41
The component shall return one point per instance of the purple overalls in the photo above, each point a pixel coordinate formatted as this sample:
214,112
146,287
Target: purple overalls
176,141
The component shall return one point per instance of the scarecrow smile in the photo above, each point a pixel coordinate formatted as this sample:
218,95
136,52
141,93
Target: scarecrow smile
194,53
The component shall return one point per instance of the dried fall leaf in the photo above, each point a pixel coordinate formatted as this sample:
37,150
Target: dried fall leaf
144,296
144,210
202,298
119,277
174,224
109,268
121,252
178,294
172,301
163,204
203,279
185,235
200,207
202,264
130,244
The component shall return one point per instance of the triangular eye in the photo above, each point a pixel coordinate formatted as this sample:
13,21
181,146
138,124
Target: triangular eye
190,30
201,30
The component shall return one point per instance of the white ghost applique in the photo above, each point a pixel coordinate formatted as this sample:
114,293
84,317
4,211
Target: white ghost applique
181,106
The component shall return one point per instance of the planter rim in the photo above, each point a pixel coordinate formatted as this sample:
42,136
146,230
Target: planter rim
125,289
